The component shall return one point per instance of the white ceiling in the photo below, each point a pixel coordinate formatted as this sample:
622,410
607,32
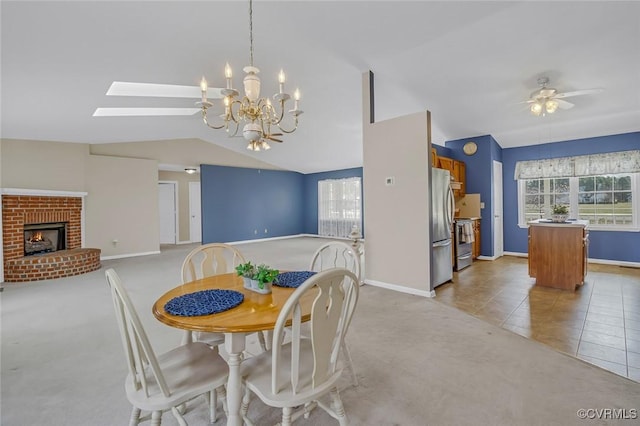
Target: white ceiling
470,63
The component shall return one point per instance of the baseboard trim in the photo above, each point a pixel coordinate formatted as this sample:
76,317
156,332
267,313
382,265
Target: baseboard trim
122,256
179,243
398,288
487,257
267,239
590,260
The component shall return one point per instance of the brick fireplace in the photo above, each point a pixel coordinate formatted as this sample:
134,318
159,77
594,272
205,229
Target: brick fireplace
20,209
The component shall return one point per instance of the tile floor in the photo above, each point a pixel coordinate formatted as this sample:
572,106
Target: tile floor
598,323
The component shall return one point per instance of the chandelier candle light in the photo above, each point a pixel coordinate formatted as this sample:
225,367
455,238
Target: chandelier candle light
258,114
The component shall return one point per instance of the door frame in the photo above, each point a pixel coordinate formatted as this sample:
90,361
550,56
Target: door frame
191,212
175,207
498,238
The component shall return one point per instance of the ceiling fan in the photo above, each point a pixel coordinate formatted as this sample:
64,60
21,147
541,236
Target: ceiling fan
121,88
547,100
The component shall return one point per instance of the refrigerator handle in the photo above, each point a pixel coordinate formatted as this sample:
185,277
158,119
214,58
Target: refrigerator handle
443,243
450,208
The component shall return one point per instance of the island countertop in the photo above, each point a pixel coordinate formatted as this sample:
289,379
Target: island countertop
549,222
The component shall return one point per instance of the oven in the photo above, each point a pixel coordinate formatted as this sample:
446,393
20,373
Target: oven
463,238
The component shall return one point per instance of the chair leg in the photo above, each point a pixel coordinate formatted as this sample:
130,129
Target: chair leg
222,395
349,362
176,413
286,416
338,408
213,406
156,417
135,417
246,399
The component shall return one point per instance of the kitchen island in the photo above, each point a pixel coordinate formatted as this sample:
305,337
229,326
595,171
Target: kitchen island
558,253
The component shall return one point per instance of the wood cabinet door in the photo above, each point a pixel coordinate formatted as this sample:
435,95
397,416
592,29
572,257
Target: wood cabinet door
476,237
446,163
462,176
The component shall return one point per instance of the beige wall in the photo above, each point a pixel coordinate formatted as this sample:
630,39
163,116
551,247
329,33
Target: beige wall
185,152
121,181
117,188
122,205
43,165
183,180
397,243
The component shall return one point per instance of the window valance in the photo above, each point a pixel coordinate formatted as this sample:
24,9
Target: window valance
583,165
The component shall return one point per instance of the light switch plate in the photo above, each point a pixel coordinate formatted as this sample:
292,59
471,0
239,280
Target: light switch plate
481,205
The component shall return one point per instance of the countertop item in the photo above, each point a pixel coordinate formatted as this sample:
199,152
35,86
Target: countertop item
568,222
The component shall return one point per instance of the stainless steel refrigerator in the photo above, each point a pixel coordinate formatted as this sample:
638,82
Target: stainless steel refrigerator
442,207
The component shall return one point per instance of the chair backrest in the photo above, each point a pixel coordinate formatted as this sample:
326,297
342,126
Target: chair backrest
141,359
210,259
336,254
336,294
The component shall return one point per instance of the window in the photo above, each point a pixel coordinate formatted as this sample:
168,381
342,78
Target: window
541,194
606,201
339,206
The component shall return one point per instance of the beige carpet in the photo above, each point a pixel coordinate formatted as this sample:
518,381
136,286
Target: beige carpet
419,362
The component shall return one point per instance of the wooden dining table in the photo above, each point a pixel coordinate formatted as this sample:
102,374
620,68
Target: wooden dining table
256,313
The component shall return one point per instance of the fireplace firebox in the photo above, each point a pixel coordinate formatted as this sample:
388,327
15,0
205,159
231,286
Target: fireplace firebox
44,238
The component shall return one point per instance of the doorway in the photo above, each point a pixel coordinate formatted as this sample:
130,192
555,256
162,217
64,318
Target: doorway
168,211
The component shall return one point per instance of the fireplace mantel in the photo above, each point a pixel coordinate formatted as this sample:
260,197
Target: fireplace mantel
41,192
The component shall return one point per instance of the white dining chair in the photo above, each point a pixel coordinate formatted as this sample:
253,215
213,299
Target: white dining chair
205,261
338,254
156,384
298,373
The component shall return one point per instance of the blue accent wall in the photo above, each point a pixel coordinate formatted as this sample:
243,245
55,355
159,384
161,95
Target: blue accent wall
610,245
240,203
311,195
479,180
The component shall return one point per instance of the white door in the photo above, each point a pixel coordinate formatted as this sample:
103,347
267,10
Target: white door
195,219
167,209
498,247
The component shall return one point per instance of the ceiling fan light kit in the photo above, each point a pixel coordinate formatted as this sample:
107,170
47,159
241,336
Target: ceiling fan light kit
258,114
547,100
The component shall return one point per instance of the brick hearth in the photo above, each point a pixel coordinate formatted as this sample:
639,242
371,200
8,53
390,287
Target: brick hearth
20,210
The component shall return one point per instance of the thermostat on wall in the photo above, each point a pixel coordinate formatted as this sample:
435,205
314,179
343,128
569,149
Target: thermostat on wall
390,181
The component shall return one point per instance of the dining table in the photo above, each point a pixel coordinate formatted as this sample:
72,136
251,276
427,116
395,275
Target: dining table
256,313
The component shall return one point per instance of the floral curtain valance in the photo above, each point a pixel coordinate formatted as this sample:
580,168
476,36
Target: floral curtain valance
583,165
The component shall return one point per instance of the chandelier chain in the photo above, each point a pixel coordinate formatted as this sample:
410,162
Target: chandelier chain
251,32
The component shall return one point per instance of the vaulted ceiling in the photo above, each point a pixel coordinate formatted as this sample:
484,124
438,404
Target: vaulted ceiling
469,63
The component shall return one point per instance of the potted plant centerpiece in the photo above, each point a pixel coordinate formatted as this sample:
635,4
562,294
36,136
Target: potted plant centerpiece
560,213
257,278
246,271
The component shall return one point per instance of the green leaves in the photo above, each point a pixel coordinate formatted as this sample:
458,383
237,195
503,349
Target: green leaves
261,273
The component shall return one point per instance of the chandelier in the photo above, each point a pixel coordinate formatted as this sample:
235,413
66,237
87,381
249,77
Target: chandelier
258,115
544,106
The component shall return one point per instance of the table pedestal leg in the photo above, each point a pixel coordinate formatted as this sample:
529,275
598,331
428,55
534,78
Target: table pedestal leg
234,344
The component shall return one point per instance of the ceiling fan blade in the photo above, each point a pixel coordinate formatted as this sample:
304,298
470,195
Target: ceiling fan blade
275,134
122,88
132,112
563,104
273,139
578,93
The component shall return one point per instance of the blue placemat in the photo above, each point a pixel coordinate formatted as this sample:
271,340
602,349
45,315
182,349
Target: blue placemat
292,279
205,302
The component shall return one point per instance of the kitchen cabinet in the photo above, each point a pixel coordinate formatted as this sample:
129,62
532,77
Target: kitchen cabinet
457,169
558,253
434,157
475,246
462,178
